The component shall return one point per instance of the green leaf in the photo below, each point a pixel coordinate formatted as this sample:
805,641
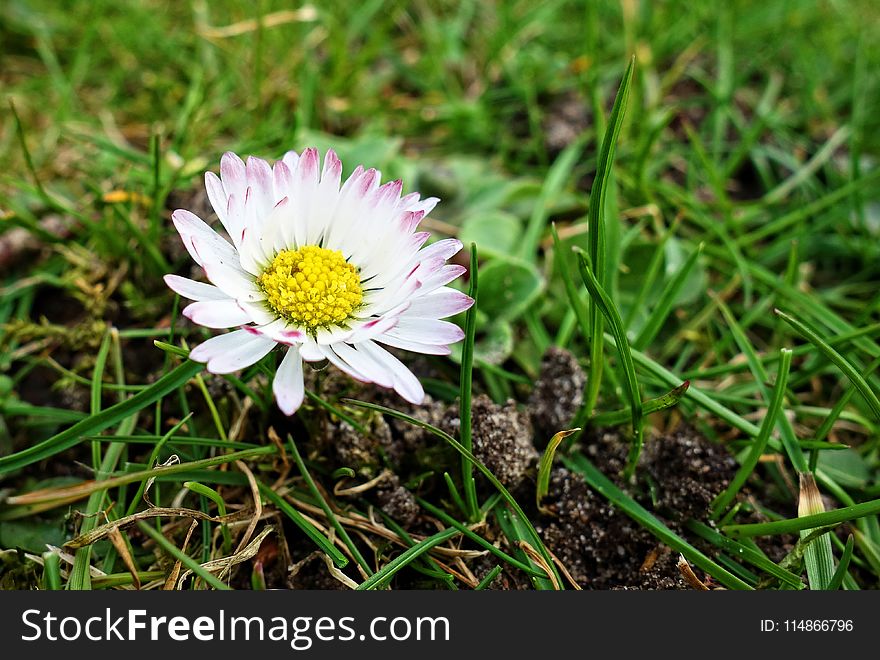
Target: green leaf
495,345
32,534
507,288
497,233
847,467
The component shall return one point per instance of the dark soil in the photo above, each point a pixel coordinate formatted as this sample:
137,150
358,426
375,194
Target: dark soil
679,475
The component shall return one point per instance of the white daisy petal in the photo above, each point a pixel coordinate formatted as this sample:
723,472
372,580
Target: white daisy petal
234,281
373,328
440,303
242,354
442,277
231,343
259,179
364,363
413,346
192,228
216,313
233,174
329,353
194,290
444,249
291,158
427,331
216,195
405,383
310,351
305,181
258,311
278,330
288,386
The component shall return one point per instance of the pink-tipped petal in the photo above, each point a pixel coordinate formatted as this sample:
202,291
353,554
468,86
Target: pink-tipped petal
191,229
427,331
216,313
332,171
282,178
233,174
216,195
373,328
443,249
279,331
242,355
413,346
441,278
288,384
439,304
307,170
218,345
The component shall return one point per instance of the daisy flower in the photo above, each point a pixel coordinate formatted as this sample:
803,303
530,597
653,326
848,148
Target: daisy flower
326,271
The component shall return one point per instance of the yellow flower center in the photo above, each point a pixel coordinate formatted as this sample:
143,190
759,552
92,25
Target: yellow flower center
312,287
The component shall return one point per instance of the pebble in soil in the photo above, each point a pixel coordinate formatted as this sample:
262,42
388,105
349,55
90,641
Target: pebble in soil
501,436
558,393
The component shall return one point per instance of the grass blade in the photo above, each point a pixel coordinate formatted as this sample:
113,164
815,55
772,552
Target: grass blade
467,376
839,574
106,418
792,525
547,464
842,363
325,507
609,311
558,174
668,400
661,311
380,578
181,556
818,556
308,528
595,222
745,553
756,449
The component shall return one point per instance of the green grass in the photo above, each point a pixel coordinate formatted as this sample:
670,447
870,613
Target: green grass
729,203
